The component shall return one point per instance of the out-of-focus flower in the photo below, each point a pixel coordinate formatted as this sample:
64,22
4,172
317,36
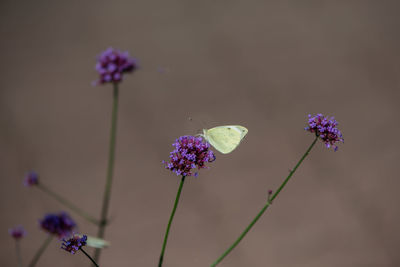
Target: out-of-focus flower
17,232
190,152
112,64
60,224
325,129
31,179
74,243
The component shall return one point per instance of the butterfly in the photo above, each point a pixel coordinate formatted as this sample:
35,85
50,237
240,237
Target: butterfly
225,138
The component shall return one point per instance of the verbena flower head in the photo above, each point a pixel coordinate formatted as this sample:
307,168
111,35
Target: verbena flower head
74,243
325,129
59,224
112,64
17,232
31,179
190,152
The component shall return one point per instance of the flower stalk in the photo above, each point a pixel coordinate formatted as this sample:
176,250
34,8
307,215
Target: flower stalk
68,204
269,201
40,251
90,258
178,194
110,170
18,252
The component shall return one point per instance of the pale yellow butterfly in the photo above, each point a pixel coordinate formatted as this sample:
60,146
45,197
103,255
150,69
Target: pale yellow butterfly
225,138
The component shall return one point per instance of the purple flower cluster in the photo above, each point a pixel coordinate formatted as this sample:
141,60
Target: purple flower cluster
60,224
111,64
325,129
190,152
17,232
31,179
74,243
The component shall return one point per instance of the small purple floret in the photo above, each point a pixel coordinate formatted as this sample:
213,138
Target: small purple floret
190,152
325,129
74,243
17,232
31,179
60,224
111,64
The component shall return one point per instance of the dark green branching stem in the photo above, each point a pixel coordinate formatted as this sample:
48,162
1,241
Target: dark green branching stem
90,258
18,251
67,204
265,206
40,251
178,194
110,169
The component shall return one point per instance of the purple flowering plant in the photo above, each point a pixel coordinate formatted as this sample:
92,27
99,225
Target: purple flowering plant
74,243
190,153
58,224
31,179
112,64
325,129
17,232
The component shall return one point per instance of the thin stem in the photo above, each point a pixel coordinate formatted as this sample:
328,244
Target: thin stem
110,169
18,252
90,258
178,194
68,204
294,169
40,251
265,206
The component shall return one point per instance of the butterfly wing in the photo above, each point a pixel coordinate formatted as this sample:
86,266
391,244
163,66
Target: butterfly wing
225,138
95,242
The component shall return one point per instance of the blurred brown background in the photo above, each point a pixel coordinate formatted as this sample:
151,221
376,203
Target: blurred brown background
264,65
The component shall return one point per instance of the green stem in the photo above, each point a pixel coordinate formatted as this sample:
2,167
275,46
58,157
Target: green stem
18,252
90,258
265,206
68,204
110,169
178,194
40,251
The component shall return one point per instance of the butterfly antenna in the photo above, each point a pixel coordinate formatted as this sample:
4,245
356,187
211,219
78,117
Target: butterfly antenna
199,131
203,124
